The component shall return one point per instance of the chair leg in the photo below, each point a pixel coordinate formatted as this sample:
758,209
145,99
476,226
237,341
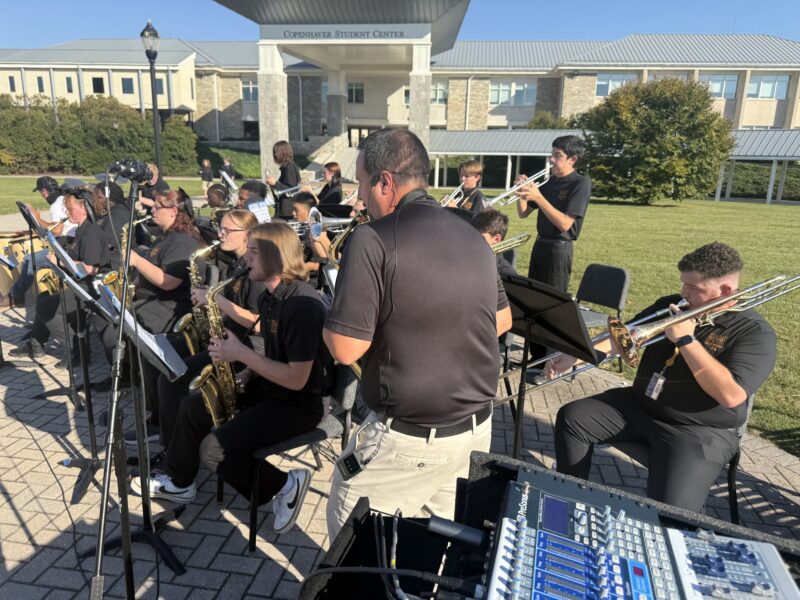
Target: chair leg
733,501
317,457
220,489
251,546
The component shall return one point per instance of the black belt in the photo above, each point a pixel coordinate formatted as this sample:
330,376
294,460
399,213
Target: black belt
421,431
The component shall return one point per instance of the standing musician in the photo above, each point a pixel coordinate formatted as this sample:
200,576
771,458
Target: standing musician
690,393
396,275
238,303
89,250
284,398
283,155
562,202
470,172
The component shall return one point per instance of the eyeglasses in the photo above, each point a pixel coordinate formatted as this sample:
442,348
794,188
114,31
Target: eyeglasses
228,230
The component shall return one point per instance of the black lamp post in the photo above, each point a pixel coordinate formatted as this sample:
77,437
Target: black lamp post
150,41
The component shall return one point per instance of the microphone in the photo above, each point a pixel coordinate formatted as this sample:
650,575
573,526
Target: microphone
134,170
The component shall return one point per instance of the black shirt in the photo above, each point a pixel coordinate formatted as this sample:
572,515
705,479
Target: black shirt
474,201
229,170
151,191
402,285
289,178
89,245
503,266
570,195
743,342
243,292
158,309
206,174
292,317
331,193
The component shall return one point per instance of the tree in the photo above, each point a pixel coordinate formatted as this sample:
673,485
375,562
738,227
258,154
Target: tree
179,144
547,120
656,141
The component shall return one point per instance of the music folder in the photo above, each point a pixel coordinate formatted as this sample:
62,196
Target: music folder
30,220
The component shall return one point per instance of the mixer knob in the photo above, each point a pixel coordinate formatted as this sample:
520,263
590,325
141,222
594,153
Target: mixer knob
604,593
762,589
603,582
621,514
582,520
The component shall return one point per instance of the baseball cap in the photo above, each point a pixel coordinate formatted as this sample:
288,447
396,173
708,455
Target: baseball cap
45,183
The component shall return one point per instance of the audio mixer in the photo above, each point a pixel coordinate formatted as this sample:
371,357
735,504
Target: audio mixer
557,539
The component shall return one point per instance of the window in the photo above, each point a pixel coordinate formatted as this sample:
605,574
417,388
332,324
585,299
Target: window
40,84
608,82
98,85
12,84
438,93
159,86
69,85
524,93
355,93
127,85
191,86
721,86
406,95
323,92
661,75
768,86
249,91
250,130
499,93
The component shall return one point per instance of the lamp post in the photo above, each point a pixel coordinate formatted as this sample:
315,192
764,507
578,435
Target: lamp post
150,41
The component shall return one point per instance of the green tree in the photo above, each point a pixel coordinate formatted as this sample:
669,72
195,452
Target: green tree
547,120
660,140
179,148
25,134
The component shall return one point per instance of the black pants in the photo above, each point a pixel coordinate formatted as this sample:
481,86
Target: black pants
49,321
685,460
228,450
172,393
551,262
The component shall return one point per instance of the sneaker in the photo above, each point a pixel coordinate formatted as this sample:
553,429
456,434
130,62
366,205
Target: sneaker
286,505
153,435
30,348
160,486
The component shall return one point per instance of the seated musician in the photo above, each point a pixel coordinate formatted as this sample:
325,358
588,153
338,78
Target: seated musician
238,304
493,226
313,247
217,196
690,393
253,197
152,189
283,399
331,193
89,250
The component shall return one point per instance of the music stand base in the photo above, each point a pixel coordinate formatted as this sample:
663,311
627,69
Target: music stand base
148,536
88,467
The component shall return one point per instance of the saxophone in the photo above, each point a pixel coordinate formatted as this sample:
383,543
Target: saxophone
47,282
216,382
115,279
194,326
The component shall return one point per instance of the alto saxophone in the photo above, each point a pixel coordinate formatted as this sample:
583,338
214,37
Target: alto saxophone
115,279
47,280
194,326
216,381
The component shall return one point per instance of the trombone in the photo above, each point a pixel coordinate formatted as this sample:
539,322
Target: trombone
289,192
509,196
510,243
457,196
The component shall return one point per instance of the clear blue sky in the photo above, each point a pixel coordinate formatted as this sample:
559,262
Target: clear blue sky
39,23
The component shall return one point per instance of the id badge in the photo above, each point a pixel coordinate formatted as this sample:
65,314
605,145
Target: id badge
655,386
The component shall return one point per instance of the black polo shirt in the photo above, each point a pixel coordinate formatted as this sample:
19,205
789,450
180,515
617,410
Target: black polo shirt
88,246
421,284
570,195
289,178
331,193
158,309
743,342
292,317
151,191
243,292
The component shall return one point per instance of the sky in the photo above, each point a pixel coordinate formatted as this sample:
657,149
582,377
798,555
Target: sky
40,23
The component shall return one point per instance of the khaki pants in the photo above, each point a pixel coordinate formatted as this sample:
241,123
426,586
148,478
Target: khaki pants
416,475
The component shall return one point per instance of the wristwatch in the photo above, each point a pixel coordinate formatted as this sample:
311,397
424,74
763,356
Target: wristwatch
687,339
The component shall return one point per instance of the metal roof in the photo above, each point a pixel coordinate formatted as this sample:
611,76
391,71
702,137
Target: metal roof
523,142
766,144
693,50
510,56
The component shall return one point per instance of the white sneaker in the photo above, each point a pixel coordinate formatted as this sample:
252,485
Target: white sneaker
286,505
161,486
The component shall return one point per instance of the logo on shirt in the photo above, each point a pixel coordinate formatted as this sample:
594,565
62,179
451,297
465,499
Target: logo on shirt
153,251
715,342
273,327
562,195
237,286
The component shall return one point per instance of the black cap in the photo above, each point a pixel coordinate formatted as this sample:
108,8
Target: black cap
256,187
45,183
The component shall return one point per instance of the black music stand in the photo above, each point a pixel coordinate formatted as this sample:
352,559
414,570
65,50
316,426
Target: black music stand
543,314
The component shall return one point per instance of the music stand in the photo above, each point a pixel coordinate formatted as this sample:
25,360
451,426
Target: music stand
550,317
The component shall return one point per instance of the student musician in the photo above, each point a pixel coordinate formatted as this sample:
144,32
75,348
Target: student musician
283,155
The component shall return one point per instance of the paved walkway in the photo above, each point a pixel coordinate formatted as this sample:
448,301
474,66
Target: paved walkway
40,532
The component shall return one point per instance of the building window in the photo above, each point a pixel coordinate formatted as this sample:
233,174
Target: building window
439,92
407,95
69,85
512,93
40,84
159,86
608,82
768,86
127,85
355,93
98,85
661,75
250,130
524,93
191,86
249,91
499,93
12,84
721,86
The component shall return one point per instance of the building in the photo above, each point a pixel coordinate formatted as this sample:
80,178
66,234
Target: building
325,75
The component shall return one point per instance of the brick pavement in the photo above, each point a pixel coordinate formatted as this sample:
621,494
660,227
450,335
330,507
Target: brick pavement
38,535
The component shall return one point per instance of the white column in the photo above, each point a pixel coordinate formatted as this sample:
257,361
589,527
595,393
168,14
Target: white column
773,171
508,172
81,95
273,104
140,90
337,103
110,83
170,95
419,109
53,94
436,172
782,180
718,193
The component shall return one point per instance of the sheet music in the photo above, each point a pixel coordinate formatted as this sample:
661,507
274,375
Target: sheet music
77,270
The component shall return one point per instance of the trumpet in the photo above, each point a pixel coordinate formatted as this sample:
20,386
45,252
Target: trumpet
509,196
510,243
289,192
457,196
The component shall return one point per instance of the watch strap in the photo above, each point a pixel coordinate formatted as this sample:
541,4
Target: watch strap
685,340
